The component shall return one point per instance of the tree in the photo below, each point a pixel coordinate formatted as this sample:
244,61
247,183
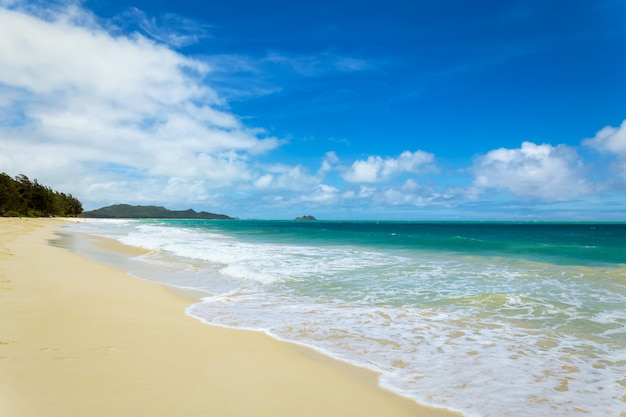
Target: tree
21,197
9,197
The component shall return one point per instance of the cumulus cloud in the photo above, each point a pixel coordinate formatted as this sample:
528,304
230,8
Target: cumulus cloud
542,172
78,100
376,169
609,139
285,177
612,141
322,194
328,164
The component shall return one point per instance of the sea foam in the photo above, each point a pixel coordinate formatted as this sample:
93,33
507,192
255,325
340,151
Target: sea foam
485,335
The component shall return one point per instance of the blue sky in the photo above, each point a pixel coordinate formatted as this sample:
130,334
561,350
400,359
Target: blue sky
481,110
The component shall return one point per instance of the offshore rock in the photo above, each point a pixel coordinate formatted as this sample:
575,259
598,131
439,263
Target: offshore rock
306,218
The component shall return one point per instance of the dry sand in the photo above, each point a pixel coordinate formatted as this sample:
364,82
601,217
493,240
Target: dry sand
78,338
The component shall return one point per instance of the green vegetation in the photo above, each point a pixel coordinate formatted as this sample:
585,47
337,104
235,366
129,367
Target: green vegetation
125,211
21,197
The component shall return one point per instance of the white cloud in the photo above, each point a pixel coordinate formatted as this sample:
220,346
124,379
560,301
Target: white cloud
610,139
376,169
543,172
318,64
78,100
264,181
365,192
322,194
285,177
169,28
328,164
365,171
45,57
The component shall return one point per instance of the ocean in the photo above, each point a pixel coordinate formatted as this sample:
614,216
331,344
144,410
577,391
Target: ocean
488,319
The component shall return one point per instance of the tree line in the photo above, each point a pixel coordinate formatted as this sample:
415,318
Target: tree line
20,196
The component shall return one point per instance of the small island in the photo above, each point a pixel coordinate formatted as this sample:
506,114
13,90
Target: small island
306,218
126,211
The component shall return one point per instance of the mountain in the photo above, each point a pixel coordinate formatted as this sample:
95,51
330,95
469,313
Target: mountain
126,211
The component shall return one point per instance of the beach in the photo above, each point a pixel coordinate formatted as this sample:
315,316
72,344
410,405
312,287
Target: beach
79,338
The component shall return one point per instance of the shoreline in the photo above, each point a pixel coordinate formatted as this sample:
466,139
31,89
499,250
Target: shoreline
86,338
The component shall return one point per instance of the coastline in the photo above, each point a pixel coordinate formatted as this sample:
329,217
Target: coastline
85,338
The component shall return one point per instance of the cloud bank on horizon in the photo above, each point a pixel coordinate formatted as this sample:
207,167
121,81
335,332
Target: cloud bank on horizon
113,114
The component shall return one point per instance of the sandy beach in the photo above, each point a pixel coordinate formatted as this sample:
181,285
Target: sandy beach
78,338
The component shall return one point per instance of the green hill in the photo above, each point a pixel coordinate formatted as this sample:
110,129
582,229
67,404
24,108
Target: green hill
126,211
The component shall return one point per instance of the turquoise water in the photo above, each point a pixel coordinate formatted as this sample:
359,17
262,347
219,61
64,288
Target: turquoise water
490,319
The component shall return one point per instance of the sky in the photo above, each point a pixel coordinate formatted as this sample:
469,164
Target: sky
389,110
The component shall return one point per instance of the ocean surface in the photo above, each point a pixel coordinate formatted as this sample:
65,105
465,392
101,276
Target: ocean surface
489,319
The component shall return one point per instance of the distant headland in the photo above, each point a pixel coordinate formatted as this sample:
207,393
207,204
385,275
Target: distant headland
126,211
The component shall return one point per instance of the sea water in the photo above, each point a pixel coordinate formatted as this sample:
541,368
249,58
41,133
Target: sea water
489,319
